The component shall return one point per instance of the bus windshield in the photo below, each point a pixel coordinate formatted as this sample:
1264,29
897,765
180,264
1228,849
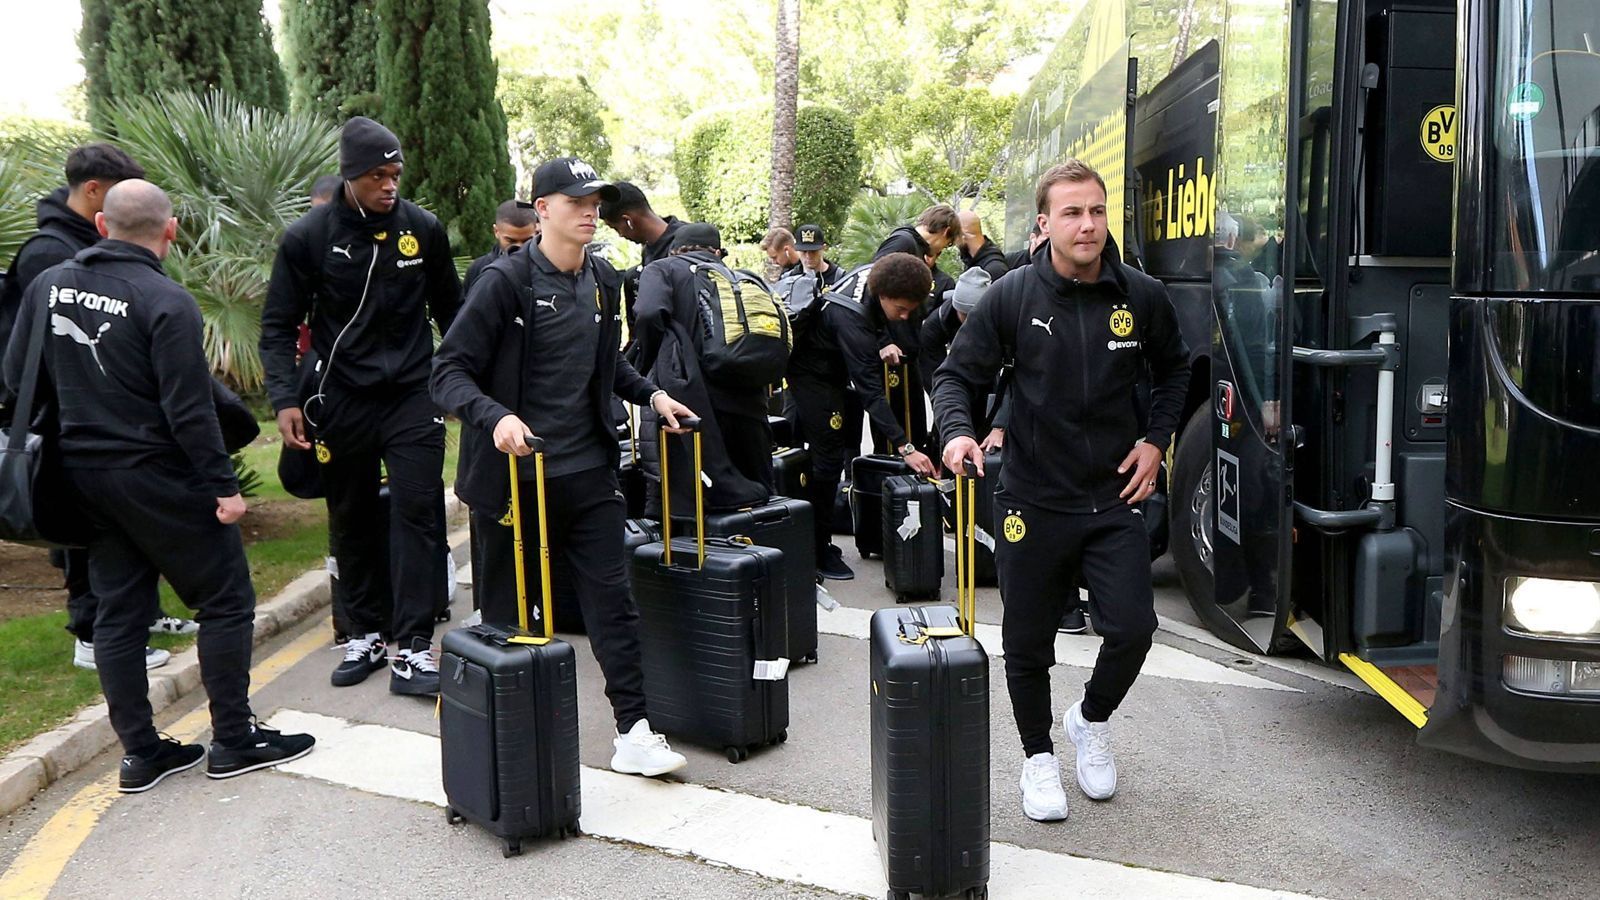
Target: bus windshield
1545,110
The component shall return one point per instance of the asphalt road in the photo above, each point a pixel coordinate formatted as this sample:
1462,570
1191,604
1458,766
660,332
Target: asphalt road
1241,772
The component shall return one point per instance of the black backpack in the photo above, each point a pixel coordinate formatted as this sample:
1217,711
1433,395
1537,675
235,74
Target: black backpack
745,335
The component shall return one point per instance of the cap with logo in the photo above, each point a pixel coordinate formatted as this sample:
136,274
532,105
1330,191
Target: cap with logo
365,145
573,177
968,290
809,237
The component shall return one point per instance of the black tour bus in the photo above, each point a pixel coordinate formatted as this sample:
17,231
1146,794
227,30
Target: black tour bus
1379,221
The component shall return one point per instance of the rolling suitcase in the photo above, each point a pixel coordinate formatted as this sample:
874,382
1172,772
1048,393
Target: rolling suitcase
508,712
782,431
913,538
983,520
930,740
867,474
784,524
713,630
791,472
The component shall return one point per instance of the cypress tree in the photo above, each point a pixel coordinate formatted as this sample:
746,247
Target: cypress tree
437,79
140,47
331,53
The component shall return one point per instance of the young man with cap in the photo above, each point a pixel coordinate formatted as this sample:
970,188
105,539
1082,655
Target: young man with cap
812,246
1082,327
368,272
141,447
66,227
535,352
838,351
515,224
738,442
977,251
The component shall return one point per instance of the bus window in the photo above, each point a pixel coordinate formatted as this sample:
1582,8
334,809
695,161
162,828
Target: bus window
1545,108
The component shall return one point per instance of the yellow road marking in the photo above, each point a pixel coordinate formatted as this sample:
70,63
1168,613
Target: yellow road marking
37,868
1378,681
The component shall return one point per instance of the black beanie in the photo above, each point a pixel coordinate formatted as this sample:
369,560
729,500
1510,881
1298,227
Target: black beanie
365,145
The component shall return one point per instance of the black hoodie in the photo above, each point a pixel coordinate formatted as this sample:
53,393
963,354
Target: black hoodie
125,355
62,233
1080,349
988,258
395,268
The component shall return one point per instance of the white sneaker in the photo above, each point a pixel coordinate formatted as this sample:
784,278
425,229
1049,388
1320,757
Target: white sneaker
1097,770
1043,799
83,656
174,625
643,752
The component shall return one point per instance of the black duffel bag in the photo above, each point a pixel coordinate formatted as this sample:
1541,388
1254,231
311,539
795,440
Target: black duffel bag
33,505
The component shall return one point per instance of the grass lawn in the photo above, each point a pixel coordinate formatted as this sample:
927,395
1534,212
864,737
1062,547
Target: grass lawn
284,537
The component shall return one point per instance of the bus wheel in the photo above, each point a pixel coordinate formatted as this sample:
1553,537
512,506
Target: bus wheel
1191,512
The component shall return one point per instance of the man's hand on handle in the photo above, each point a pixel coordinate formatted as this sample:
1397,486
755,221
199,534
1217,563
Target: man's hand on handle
292,425
1145,461
961,450
511,436
995,441
670,411
891,354
231,509
921,464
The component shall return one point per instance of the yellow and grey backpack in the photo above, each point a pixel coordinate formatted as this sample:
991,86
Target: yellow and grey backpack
745,337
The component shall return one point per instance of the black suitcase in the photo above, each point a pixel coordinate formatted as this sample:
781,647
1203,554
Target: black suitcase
930,745
782,431
784,524
983,549
632,480
866,499
791,473
508,716
913,538
713,617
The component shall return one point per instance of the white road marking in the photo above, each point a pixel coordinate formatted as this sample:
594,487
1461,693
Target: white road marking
774,839
1075,650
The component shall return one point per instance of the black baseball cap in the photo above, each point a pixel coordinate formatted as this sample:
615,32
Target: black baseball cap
571,176
697,234
809,238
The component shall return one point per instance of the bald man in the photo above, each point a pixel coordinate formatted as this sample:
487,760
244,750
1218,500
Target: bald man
977,251
143,451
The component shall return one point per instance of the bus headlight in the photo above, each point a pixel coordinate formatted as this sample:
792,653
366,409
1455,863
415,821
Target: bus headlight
1553,606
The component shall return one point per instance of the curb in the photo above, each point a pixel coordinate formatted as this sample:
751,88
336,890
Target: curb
51,756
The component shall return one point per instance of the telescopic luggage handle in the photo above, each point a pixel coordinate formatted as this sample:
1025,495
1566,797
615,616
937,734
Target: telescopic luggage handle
693,424
905,393
966,549
547,624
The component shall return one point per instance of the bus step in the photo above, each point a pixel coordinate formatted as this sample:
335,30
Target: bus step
1409,689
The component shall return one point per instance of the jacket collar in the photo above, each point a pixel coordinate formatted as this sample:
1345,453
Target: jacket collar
110,250
1112,275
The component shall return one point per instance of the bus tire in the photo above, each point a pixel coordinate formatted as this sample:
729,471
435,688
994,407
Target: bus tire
1190,514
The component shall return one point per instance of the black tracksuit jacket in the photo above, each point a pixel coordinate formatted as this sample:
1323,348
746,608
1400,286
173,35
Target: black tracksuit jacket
329,259
988,258
125,355
840,349
478,373
62,233
1080,349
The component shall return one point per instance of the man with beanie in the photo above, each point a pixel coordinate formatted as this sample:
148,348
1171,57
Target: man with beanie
141,446
535,352
368,272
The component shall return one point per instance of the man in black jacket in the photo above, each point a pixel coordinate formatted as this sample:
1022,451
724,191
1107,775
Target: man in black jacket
977,251
631,216
141,447
1024,256
535,351
515,224
369,271
1081,327
66,226
838,350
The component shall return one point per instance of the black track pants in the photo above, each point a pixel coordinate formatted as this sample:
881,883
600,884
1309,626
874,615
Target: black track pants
822,414
585,515
1041,556
152,522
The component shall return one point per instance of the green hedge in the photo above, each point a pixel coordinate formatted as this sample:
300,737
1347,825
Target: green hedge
724,165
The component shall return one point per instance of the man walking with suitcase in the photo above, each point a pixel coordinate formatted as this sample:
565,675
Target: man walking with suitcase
535,352
143,452
1081,326
369,270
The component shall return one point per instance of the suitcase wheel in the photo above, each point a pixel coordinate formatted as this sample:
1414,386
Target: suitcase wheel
810,658
574,831
451,816
783,736
978,893
899,895
511,847
736,754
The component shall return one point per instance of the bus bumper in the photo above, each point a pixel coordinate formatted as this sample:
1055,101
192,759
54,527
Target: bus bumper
1551,724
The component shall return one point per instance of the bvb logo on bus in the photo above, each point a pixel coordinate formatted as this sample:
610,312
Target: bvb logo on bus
408,245
1014,528
1121,322
1438,133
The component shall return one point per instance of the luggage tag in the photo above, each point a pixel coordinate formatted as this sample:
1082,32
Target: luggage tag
529,639
983,537
913,521
825,599
771,669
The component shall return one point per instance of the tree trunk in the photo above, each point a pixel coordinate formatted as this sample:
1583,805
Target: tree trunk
786,99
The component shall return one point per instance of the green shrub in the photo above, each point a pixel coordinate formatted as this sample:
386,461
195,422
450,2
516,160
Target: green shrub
871,219
724,166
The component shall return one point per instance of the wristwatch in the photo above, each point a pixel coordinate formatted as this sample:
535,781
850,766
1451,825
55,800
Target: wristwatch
906,449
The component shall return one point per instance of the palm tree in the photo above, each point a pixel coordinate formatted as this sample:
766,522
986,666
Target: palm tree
786,97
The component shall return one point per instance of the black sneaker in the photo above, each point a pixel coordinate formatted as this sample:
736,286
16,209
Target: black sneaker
262,748
141,773
362,656
1074,621
832,567
414,671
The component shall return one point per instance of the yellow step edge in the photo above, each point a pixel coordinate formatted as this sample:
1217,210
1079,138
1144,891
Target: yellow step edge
1396,695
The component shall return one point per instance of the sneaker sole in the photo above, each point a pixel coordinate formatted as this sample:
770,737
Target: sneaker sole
1042,817
352,681
409,689
829,576
648,773
258,766
1083,630
149,667
162,777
